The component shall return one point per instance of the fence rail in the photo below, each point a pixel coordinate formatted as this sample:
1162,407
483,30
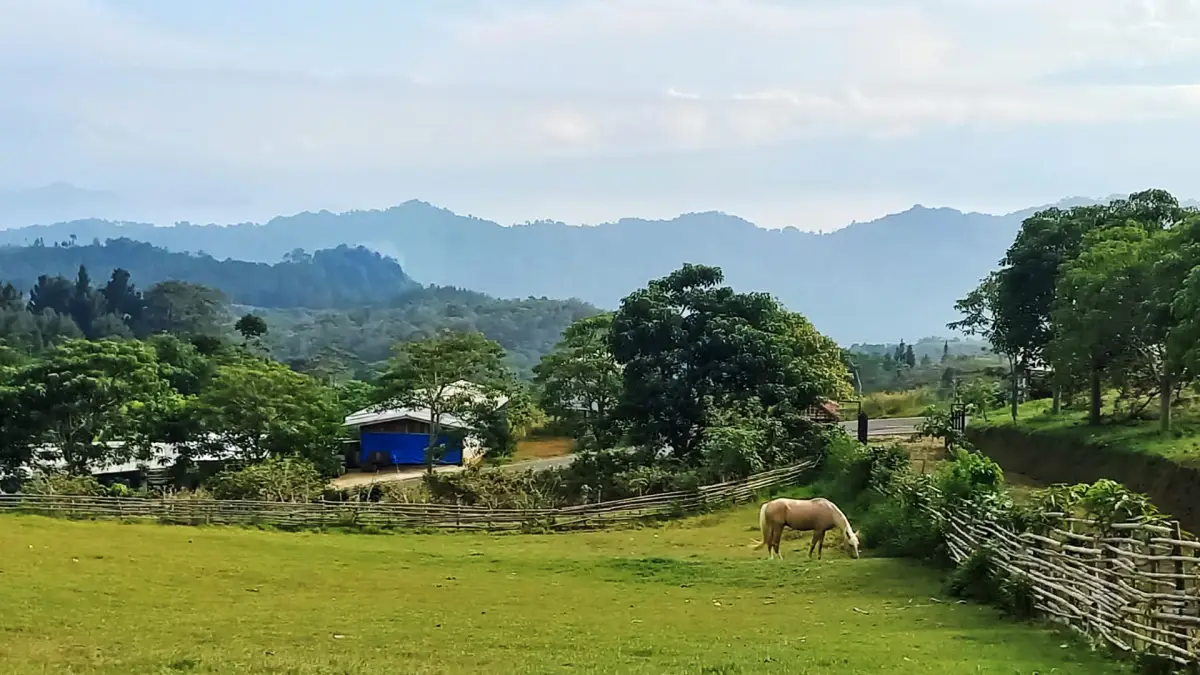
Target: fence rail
322,514
1134,585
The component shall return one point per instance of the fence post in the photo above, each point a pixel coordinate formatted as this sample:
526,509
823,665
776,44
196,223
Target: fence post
1180,584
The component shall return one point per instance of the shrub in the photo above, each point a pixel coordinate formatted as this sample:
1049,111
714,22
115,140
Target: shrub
974,578
56,483
274,479
969,475
495,489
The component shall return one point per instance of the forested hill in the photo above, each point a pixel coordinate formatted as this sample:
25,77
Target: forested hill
336,277
335,310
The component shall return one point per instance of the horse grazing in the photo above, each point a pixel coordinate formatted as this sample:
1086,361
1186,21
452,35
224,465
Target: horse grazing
819,515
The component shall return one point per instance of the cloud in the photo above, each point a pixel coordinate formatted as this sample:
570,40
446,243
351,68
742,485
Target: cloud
105,89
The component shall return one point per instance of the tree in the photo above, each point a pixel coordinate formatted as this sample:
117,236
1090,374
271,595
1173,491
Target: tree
452,375
945,351
258,408
689,347
910,359
85,306
183,309
122,298
93,402
11,298
982,316
580,381
251,327
51,293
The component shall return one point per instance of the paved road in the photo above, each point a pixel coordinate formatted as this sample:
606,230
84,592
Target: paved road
898,426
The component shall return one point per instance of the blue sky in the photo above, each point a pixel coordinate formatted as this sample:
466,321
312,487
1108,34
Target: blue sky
809,113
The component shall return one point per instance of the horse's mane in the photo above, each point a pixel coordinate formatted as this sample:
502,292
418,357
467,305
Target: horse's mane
843,521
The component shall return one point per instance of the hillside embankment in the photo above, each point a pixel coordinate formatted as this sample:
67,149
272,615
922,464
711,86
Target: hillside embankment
1051,458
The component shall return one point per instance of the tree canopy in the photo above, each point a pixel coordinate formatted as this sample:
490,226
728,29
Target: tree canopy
1100,294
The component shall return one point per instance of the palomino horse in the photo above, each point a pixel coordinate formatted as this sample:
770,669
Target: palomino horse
819,515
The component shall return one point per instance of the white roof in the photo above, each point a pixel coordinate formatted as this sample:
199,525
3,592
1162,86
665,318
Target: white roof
163,455
376,415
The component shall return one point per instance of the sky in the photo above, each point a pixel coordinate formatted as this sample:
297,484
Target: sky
809,113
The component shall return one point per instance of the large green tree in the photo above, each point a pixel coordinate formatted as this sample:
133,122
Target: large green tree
691,347
1020,298
90,403
183,308
257,408
580,382
430,374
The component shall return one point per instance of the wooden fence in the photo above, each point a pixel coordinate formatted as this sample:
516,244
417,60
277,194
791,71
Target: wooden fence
1135,585
376,515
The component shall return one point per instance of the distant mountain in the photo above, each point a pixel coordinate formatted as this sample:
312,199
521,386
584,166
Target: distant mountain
878,281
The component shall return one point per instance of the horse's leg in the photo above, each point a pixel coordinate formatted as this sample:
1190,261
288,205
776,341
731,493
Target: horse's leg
821,544
777,537
813,545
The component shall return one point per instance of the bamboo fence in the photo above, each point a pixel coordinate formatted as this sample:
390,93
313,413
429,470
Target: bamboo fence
324,514
1134,585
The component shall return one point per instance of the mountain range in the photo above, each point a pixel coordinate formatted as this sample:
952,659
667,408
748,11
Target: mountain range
878,281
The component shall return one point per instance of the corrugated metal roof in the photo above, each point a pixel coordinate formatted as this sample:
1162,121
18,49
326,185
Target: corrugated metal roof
375,415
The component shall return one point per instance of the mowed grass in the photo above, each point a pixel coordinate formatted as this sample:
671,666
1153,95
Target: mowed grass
690,597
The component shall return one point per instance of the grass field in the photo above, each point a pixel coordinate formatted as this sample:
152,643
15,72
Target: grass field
542,448
691,597
1181,445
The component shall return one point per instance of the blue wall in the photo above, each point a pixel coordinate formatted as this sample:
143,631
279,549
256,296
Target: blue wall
408,448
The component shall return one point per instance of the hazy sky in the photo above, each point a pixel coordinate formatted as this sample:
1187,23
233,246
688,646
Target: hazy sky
805,112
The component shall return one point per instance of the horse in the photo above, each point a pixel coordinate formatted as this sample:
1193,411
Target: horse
819,515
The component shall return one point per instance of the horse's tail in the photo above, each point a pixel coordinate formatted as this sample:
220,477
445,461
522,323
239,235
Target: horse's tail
762,526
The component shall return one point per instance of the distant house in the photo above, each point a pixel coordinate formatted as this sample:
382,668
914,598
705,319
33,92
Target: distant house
152,470
399,436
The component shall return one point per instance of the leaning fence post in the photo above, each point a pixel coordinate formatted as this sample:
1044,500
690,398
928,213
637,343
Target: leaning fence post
1180,584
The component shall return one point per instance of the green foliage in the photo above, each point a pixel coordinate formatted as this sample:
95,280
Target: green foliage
57,483
495,489
1100,294
978,578
1108,502
257,408
580,382
969,475
688,346
275,479
93,403
456,375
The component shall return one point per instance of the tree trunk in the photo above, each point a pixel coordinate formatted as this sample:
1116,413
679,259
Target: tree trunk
1164,401
1014,402
1056,406
1095,396
434,432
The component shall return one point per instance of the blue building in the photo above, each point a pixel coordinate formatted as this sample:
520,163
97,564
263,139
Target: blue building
399,436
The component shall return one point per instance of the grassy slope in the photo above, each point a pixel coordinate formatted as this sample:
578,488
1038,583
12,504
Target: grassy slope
692,597
1181,445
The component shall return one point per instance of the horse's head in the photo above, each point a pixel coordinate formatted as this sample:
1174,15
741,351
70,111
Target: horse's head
852,544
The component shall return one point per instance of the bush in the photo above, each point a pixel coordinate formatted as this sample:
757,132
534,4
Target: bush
56,483
979,579
274,480
851,469
969,475
495,489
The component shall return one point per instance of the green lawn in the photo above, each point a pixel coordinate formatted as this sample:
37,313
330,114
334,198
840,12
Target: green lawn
1181,445
692,597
